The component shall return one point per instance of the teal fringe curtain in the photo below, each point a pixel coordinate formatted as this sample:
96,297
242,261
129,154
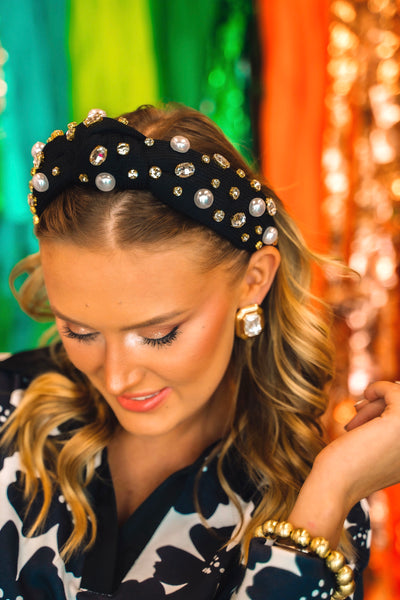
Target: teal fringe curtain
68,56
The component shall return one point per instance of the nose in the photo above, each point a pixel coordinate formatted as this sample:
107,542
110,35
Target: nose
122,369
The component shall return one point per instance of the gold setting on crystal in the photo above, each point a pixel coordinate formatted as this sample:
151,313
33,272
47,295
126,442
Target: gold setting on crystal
245,237
219,216
133,174
71,131
55,171
241,173
155,172
255,184
258,229
221,161
234,192
38,159
98,155
123,148
149,142
35,220
56,133
259,245
83,178
177,190
215,183
205,158
238,220
93,118
123,120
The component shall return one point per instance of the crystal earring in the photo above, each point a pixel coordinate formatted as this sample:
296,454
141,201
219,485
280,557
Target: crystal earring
249,321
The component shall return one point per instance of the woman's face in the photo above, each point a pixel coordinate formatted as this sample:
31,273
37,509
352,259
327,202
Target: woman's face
151,330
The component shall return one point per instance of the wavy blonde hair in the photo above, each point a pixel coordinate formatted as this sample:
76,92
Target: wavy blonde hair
280,376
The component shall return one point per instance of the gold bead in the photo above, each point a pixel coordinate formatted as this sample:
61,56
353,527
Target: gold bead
269,527
301,537
35,220
283,529
215,183
205,158
258,229
259,532
335,561
320,546
344,575
259,245
83,177
241,173
245,237
123,120
33,171
347,589
55,171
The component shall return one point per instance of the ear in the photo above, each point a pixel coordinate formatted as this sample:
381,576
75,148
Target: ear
259,275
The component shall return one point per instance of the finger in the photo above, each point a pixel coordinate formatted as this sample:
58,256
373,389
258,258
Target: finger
380,389
366,412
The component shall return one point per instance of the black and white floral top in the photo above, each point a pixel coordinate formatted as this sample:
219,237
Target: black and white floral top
164,550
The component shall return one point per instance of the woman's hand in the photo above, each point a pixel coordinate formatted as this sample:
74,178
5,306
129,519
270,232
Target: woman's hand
362,461
372,405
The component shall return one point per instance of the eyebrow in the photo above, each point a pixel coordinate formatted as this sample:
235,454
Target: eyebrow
153,321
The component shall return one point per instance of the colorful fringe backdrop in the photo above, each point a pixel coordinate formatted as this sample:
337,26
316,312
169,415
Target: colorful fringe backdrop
309,89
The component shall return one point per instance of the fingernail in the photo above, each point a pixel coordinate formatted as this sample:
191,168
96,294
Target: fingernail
359,402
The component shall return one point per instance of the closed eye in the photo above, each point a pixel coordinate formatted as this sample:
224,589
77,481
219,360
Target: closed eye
81,337
166,340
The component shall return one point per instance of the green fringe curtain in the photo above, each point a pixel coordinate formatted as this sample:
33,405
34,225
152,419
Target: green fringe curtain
64,58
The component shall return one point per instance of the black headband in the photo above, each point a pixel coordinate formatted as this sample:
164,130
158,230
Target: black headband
106,154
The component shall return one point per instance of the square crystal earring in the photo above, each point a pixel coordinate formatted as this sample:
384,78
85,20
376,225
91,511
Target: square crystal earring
249,321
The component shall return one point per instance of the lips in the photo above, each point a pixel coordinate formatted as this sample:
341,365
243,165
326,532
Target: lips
143,402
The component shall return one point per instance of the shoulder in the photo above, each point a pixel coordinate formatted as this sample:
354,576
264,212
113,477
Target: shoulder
18,370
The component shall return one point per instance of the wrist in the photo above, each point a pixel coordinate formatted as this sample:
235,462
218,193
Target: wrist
323,503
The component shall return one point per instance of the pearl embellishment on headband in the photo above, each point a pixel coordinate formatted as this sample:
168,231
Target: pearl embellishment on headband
270,236
203,198
179,143
257,207
105,182
40,182
36,148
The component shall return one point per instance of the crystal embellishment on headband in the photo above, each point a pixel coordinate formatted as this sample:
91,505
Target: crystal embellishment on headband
105,154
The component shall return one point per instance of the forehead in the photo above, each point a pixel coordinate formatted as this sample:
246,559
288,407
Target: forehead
82,281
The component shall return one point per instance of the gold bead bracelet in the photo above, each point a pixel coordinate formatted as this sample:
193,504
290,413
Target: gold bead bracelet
300,539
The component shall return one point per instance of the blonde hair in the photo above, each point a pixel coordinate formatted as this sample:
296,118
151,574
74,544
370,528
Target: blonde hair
280,376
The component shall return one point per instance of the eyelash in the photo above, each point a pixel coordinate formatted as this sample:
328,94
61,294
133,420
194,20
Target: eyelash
155,342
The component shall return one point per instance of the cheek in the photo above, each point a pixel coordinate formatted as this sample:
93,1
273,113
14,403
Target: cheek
207,347
84,357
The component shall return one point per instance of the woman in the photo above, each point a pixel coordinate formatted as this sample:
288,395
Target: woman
150,450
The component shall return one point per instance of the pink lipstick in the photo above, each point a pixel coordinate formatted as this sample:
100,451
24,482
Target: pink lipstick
143,402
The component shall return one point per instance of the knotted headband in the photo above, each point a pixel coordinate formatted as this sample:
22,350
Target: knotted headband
107,154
